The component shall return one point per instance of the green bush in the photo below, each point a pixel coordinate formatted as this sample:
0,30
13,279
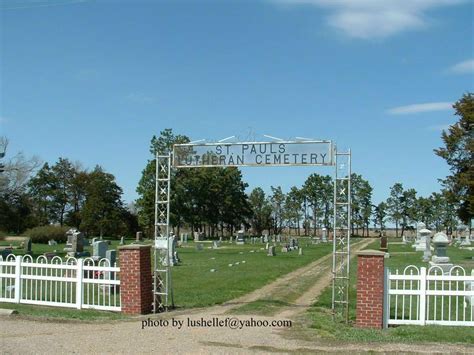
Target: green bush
44,233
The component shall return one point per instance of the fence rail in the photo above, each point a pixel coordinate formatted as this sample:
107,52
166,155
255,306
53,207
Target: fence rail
430,296
75,283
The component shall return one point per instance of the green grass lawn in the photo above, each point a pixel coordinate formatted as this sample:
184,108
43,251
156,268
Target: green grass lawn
319,316
196,286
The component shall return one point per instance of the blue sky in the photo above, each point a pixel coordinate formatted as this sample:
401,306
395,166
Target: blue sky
93,81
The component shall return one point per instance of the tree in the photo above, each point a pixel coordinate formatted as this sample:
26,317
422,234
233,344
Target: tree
16,214
424,211
277,200
16,209
41,189
63,173
261,211
394,205
408,208
146,186
458,152
293,210
361,203
380,213
77,195
103,210
318,191
16,171
54,191
204,198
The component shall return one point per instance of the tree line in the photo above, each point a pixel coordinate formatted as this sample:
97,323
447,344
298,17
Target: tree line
214,200
63,194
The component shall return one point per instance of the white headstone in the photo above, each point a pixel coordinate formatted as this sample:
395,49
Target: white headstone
426,235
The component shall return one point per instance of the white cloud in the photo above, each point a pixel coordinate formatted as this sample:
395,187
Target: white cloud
141,98
417,108
366,19
464,67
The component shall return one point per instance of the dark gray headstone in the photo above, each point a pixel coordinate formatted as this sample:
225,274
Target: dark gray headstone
27,248
111,255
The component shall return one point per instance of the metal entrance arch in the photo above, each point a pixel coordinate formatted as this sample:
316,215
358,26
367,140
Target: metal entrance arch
276,153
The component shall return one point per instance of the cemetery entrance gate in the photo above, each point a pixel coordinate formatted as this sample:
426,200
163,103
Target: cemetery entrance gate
258,154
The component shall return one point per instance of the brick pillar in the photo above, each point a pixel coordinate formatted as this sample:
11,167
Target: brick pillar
136,283
370,289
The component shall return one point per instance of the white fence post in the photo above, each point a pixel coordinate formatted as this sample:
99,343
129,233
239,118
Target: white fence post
79,275
18,279
422,310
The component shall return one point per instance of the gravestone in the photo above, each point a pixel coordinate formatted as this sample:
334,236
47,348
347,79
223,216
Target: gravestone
172,250
138,236
99,250
240,237
27,249
271,251
122,241
182,238
441,259
300,251
215,245
74,242
196,236
199,246
383,243
95,239
52,242
324,237
426,236
420,242
464,236
186,238
111,256
284,250
266,246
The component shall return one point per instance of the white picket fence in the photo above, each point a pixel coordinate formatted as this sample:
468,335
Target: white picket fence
75,283
420,296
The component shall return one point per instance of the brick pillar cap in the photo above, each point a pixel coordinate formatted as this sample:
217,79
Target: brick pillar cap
370,252
134,247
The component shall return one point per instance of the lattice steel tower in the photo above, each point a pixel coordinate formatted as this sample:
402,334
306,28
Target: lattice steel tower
341,235
162,285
